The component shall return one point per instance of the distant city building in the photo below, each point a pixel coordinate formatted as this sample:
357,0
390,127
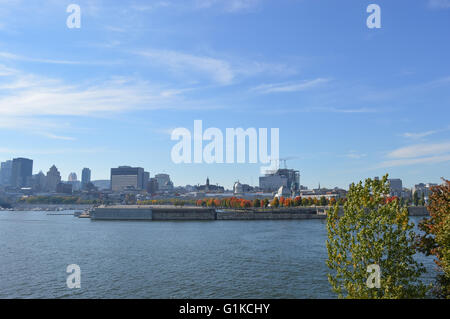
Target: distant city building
272,181
127,178
85,177
64,188
208,188
5,173
283,191
406,193
239,188
395,187
102,184
53,179
164,182
423,190
22,170
39,182
323,192
146,180
72,177
152,186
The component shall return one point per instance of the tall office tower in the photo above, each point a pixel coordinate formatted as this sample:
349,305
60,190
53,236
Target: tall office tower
22,170
5,173
39,182
146,180
85,177
395,187
126,177
152,186
53,179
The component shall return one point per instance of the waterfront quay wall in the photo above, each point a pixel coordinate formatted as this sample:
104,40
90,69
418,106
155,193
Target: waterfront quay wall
121,213
152,213
185,213
161,213
269,215
418,211
166,212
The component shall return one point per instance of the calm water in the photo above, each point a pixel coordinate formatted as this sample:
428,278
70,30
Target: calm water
221,259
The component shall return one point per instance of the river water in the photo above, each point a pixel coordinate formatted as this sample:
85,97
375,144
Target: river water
208,259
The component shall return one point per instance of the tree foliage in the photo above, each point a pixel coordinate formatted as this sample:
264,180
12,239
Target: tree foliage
372,230
436,238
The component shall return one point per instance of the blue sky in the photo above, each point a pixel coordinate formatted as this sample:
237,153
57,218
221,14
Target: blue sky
351,102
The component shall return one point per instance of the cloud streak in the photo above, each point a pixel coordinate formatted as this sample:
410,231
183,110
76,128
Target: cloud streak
230,6
419,150
218,70
289,87
445,4
415,161
26,95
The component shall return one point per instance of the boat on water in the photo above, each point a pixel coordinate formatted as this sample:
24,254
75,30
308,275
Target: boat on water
85,214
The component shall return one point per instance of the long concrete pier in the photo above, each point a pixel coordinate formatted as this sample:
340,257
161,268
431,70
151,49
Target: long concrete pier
159,213
163,212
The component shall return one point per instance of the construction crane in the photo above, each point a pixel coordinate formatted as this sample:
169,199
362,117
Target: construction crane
285,159
278,160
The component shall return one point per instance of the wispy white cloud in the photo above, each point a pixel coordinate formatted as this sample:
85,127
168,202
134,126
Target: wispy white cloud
415,161
362,110
26,95
439,4
231,6
420,150
355,155
151,6
422,135
56,137
10,151
289,87
219,70
17,57
419,135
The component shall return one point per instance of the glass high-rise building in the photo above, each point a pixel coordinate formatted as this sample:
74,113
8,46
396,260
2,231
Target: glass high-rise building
5,173
126,177
85,177
22,170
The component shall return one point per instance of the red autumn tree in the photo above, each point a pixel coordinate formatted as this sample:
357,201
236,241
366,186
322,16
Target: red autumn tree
436,240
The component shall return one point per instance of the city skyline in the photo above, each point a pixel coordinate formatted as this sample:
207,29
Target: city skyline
86,174
350,102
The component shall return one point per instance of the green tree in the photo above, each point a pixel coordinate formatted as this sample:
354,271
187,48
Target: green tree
323,201
372,230
436,238
130,199
275,202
